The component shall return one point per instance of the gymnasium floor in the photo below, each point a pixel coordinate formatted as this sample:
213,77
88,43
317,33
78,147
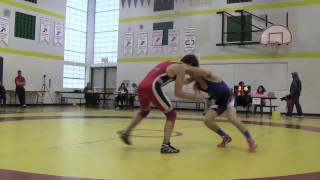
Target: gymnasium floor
62,143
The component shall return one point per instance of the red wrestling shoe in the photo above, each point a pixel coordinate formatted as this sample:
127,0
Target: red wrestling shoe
226,139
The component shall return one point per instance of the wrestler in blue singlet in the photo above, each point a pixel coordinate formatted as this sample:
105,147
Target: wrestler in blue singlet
220,92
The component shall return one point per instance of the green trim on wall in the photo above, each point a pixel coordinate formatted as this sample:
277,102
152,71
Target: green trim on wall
31,8
31,54
306,55
260,6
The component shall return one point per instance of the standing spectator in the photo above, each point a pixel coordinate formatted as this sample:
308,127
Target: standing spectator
122,95
260,93
20,83
295,91
3,97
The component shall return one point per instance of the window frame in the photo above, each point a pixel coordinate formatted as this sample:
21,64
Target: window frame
75,49
105,27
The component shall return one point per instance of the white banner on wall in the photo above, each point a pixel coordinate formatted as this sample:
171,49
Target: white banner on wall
189,39
142,43
157,37
45,28
4,30
128,44
173,40
58,33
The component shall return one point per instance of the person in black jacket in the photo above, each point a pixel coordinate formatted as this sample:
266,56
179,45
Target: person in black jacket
90,96
2,94
295,91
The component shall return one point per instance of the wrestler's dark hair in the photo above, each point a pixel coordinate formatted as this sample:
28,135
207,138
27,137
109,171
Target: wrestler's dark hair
191,60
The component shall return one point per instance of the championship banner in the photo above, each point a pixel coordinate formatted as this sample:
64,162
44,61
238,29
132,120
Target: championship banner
148,2
128,44
4,30
142,1
59,34
45,27
189,39
135,3
142,43
129,3
173,40
157,37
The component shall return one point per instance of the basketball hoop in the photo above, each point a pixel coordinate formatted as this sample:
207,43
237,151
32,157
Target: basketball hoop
276,35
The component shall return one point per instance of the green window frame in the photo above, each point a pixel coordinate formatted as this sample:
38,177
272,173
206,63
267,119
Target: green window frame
25,26
163,5
234,28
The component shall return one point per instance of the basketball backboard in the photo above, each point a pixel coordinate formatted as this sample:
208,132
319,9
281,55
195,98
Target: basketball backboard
276,35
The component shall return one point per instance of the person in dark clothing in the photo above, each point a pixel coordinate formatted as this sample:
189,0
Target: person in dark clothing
90,96
243,95
20,83
3,98
295,91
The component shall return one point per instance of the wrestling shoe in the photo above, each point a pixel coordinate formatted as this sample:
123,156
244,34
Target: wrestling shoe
252,145
124,136
226,140
167,148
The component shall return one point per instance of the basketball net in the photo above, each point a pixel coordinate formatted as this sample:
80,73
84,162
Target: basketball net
274,44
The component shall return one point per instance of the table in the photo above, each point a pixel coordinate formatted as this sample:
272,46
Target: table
270,102
103,96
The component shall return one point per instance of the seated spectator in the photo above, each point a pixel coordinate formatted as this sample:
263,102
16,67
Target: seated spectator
261,92
121,96
89,95
3,97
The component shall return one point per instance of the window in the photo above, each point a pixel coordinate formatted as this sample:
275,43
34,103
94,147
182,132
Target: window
25,26
75,43
32,1
106,30
73,76
234,28
237,1
165,26
163,5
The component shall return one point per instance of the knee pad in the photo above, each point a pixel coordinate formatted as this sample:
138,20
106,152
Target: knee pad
171,116
144,114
